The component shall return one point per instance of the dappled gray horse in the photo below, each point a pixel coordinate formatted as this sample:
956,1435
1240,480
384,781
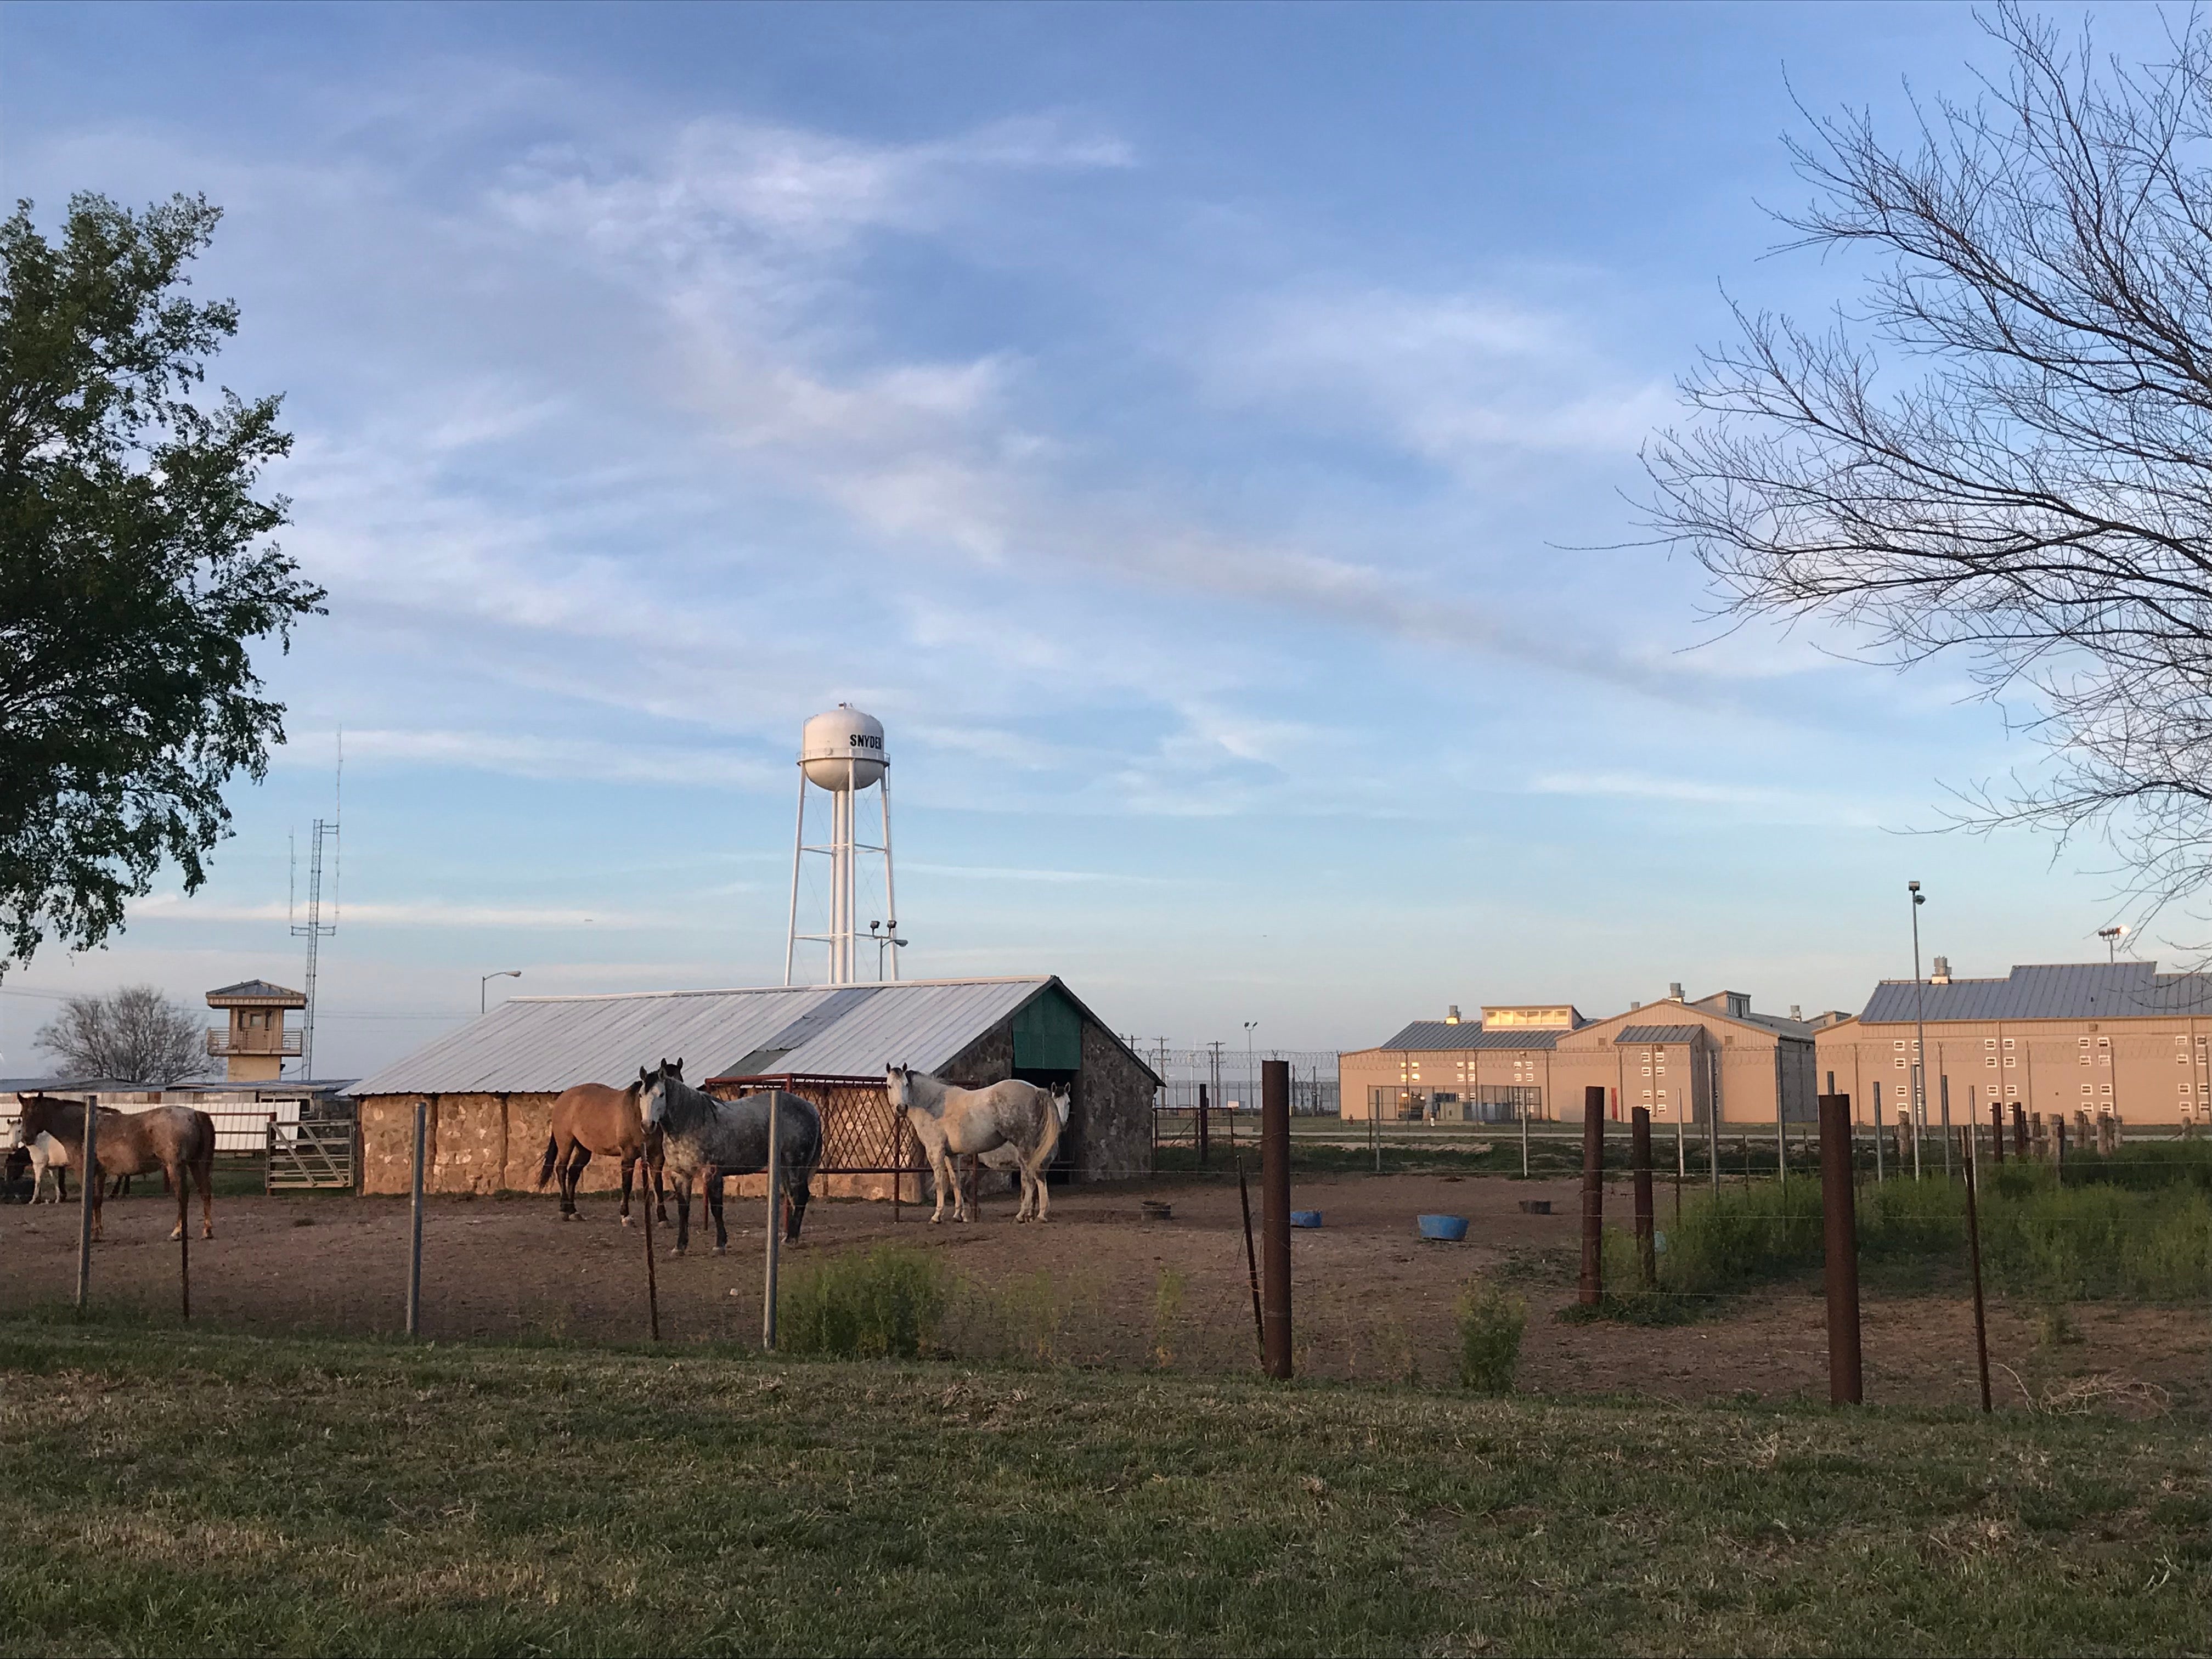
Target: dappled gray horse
702,1136
951,1121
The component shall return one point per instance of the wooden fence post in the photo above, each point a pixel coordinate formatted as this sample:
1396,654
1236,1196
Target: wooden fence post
1974,1254
414,1246
1840,1251
88,1191
1275,1211
1640,1161
1590,1289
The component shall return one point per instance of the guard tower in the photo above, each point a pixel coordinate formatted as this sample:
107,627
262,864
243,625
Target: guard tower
256,1043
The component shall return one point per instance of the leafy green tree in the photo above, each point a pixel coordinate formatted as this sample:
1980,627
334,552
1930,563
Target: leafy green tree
136,569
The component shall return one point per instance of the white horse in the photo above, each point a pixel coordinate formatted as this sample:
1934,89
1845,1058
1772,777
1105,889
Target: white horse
951,1121
47,1154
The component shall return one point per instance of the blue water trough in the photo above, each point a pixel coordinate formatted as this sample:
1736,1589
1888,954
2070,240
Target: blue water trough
1305,1218
1445,1229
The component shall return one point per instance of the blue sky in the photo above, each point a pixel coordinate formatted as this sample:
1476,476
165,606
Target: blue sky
1206,437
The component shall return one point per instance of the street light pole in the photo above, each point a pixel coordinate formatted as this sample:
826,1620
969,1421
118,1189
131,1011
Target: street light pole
484,986
1251,1072
1919,1072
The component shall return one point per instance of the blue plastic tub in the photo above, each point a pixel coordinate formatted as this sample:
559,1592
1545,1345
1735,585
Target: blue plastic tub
1305,1218
1446,1229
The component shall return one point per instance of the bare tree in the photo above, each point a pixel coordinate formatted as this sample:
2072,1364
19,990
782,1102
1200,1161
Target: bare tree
135,1035
2025,483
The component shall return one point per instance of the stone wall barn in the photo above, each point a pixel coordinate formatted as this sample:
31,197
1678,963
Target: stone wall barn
490,1085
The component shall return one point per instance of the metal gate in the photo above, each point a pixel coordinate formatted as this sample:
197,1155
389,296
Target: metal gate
861,1133
312,1155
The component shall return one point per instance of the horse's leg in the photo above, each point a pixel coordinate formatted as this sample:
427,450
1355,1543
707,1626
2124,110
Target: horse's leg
683,1212
714,1208
1033,1168
203,1172
173,1175
576,1165
630,1170
940,1170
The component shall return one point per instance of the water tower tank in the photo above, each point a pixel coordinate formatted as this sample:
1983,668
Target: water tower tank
843,750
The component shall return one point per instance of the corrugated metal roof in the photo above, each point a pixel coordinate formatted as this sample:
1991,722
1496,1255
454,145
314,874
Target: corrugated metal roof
533,1045
258,990
2078,990
1438,1034
1658,1034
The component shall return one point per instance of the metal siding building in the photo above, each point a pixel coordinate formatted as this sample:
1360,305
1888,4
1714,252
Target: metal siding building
491,1084
2117,1039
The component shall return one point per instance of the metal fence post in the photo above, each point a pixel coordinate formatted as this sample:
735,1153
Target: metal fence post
1275,1211
1713,1120
415,1247
774,1218
1205,1141
1839,1239
1590,1290
88,1191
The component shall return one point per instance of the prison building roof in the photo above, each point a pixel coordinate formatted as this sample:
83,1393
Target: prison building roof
2082,990
1442,1034
531,1045
1660,1034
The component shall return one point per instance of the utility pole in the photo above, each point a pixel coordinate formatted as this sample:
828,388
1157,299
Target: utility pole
1919,1072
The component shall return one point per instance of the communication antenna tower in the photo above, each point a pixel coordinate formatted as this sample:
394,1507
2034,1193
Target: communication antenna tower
842,754
315,930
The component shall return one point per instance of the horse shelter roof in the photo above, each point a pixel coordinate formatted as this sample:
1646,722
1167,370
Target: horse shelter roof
541,1045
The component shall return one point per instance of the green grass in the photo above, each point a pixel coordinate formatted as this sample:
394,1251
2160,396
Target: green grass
2040,1239
187,1493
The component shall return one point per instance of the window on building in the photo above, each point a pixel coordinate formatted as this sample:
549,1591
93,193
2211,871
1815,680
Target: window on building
2008,1060
2007,1042
1900,1064
2106,1089
1989,1042
1899,1044
1991,1062
2103,1042
2085,1088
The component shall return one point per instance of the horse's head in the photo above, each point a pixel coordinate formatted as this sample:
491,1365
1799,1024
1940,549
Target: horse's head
1063,1098
18,1138
898,1085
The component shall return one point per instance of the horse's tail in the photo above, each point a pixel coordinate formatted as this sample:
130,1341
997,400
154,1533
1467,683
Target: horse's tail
552,1151
1050,1143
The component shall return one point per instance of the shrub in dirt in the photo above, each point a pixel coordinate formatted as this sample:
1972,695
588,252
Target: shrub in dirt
1491,1323
1742,1235
886,1303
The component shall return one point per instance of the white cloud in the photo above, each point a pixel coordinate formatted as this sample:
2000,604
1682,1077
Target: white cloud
1465,381
527,757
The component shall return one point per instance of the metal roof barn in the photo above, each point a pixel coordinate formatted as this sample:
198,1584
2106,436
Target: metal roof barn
546,1044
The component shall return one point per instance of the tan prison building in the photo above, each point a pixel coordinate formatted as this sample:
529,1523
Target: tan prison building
2116,1040
1684,1060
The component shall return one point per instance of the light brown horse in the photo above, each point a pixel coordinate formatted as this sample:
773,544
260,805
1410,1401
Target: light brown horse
594,1118
178,1141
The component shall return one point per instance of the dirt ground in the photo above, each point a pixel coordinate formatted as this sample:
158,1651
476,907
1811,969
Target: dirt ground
1099,1285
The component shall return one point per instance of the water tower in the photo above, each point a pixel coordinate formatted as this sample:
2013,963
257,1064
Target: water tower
842,754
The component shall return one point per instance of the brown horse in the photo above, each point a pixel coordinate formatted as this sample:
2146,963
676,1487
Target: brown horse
178,1141
594,1118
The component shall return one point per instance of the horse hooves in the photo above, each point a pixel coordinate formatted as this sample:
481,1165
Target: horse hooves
625,1221
721,1249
